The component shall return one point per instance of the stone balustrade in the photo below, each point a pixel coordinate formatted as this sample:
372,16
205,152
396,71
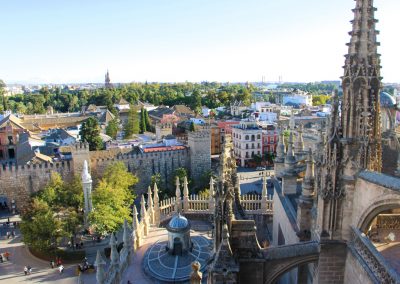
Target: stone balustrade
378,269
256,204
154,211
198,203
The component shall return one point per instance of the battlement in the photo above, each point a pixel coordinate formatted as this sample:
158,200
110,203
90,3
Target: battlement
164,125
204,134
101,156
20,169
79,146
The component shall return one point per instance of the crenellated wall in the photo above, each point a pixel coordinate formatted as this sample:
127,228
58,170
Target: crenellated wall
142,165
19,182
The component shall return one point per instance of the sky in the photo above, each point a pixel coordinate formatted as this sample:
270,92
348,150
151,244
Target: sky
75,41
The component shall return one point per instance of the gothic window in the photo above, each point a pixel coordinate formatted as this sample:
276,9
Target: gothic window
258,136
253,137
247,137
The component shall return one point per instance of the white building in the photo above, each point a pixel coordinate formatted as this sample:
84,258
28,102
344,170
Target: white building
247,141
298,98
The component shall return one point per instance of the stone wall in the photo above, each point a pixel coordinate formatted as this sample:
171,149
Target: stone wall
19,182
374,193
283,218
199,143
142,165
354,272
331,263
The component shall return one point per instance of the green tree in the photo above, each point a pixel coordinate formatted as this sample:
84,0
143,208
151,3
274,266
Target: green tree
180,173
90,133
39,227
112,199
112,128
147,120
2,95
192,127
132,124
142,121
318,100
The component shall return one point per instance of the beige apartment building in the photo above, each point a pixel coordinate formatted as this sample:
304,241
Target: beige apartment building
247,141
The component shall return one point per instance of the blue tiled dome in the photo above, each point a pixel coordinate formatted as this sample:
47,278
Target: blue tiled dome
178,222
387,100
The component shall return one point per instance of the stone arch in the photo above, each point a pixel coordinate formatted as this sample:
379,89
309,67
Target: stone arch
281,268
388,202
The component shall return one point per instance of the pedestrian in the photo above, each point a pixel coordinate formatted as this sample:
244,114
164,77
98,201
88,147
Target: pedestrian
61,269
29,269
26,270
8,235
13,233
1,258
52,263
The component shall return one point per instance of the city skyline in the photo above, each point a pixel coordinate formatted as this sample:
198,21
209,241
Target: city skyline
228,41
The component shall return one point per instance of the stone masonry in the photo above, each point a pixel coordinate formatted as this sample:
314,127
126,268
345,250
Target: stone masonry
199,143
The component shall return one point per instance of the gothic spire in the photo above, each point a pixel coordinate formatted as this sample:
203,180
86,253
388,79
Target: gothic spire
363,41
360,118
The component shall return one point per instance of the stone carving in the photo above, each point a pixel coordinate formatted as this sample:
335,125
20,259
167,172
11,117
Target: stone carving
367,254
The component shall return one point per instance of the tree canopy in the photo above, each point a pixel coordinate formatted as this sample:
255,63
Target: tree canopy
112,128
112,199
132,124
53,213
90,133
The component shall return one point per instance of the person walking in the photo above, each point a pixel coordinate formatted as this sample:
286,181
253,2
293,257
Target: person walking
61,269
26,270
12,234
52,263
29,269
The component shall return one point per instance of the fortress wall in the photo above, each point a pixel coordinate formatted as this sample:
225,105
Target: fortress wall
19,182
143,165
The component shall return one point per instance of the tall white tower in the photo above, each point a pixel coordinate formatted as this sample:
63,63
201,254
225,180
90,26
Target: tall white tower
87,191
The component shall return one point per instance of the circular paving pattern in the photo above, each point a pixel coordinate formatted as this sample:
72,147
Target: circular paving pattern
159,264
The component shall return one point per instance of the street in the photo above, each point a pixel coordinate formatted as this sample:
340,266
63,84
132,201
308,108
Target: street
12,271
